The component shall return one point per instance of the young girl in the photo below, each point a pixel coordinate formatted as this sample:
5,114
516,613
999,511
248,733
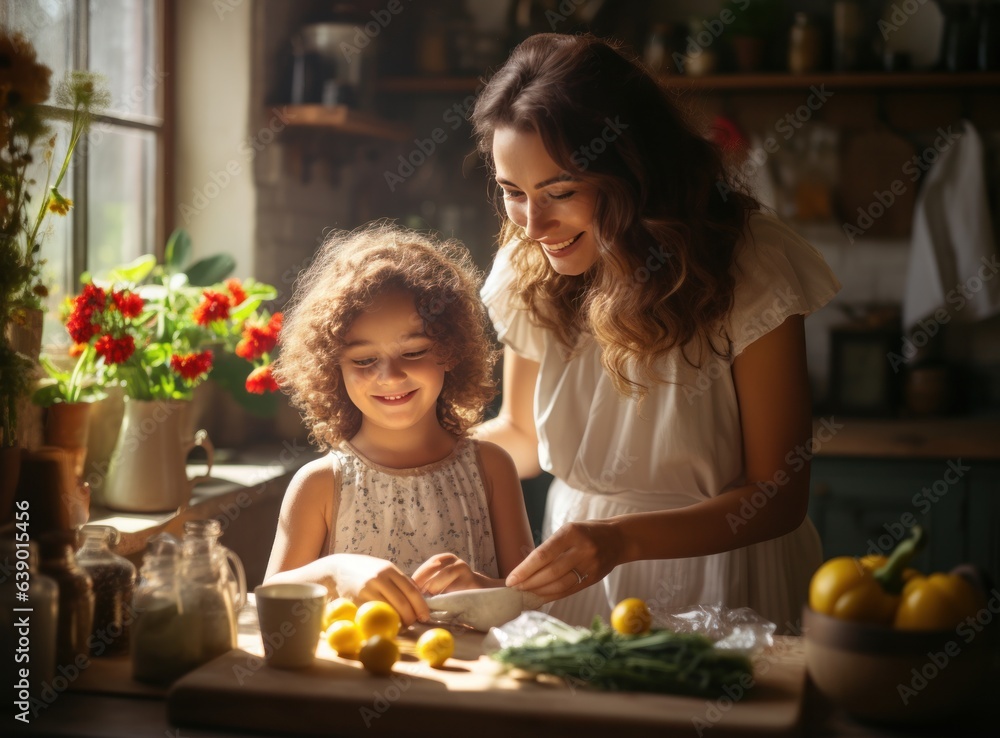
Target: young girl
386,352
654,344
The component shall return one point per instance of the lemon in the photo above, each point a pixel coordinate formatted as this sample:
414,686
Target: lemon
339,609
344,637
379,654
435,646
631,616
377,618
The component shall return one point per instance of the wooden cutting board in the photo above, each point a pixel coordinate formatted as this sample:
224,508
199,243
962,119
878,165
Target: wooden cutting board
470,696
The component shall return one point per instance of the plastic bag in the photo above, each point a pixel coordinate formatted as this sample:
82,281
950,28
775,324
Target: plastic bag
739,629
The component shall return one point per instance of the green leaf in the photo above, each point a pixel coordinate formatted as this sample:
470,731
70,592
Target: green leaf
231,372
244,310
135,271
53,371
178,251
210,270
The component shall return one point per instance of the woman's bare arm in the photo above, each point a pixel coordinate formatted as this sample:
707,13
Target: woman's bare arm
514,428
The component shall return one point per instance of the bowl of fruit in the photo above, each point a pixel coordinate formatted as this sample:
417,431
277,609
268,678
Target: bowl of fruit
889,644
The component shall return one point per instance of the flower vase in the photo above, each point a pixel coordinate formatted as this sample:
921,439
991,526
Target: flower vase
148,465
67,427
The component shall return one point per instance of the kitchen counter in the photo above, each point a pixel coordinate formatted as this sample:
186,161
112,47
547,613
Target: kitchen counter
104,701
966,438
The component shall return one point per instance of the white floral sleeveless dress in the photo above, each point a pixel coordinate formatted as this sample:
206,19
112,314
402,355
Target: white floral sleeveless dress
408,515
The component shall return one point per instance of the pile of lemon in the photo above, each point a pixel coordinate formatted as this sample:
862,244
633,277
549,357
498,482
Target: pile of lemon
368,633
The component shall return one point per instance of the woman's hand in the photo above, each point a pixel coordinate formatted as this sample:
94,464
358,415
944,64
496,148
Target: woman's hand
445,572
365,578
574,557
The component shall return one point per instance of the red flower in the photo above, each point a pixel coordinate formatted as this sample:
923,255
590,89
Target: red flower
259,339
213,306
129,304
261,380
115,350
92,298
191,366
79,327
236,292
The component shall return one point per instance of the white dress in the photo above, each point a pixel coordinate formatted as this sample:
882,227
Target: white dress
685,446
408,515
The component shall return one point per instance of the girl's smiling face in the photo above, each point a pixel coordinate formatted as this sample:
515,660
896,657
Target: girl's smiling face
554,208
391,371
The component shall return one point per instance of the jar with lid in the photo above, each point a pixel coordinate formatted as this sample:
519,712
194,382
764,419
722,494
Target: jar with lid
114,587
184,605
76,596
201,538
803,46
29,610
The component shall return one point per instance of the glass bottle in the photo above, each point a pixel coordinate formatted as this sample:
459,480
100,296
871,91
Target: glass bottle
202,537
165,643
114,587
76,596
803,46
29,611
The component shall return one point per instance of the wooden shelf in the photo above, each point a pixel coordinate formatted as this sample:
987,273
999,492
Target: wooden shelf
346,120
739,82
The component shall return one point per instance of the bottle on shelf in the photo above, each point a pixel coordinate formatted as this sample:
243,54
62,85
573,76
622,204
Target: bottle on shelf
804,45
76,596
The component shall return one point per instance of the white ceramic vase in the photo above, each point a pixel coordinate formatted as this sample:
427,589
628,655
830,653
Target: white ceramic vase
148,470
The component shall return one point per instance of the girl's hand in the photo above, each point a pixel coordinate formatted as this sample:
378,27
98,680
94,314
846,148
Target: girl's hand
365,578
574,557
445,572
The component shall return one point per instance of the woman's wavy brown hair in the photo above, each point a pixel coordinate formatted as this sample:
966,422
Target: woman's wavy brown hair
664,201
350,272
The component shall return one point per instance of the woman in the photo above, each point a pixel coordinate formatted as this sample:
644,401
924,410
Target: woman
654,357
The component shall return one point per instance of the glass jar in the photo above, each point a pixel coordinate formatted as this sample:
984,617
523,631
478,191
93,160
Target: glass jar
184,604
114,587
201,538
29,611
803,46
76,597
165,643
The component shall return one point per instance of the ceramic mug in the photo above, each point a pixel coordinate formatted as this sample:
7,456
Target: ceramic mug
291,619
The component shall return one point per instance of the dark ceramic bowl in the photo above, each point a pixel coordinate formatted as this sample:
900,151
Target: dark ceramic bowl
880,674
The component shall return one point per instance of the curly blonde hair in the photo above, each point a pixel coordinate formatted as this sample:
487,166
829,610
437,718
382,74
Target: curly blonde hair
349,273
662,193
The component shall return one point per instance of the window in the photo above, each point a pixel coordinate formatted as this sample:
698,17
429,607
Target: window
117,177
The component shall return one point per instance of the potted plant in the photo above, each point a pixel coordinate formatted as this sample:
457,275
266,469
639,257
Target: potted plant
26,140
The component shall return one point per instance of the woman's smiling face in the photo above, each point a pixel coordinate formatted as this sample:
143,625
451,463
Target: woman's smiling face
555,209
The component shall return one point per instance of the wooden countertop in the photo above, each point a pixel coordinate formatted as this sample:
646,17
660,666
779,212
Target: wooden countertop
967,438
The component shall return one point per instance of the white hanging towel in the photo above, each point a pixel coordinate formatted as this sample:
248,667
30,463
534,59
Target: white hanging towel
953,255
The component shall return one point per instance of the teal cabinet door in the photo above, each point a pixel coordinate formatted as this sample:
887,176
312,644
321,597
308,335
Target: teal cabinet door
866,506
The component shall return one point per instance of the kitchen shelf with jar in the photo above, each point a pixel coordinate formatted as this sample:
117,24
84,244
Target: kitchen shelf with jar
740,82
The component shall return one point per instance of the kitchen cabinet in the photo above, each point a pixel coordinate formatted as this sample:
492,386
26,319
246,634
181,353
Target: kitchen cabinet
866,505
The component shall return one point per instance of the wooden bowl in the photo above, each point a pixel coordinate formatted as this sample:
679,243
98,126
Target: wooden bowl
880,674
